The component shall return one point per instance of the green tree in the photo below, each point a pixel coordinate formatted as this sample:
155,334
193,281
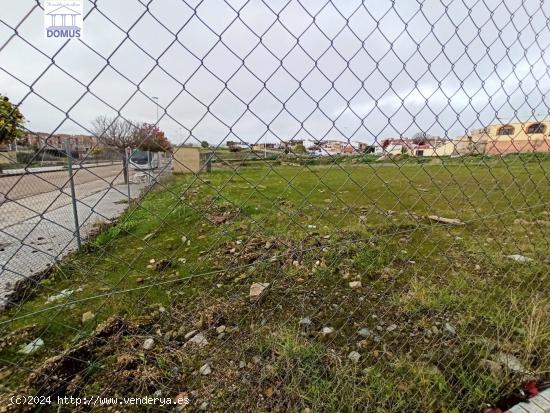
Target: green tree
11,121
205,144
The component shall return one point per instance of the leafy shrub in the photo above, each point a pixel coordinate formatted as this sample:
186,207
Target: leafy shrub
24,157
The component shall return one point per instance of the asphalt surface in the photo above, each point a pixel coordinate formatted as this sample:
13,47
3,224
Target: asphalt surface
37,223
23,186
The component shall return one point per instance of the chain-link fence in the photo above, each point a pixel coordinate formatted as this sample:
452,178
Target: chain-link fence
274,205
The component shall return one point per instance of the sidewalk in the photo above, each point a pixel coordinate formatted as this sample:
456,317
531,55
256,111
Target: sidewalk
31,246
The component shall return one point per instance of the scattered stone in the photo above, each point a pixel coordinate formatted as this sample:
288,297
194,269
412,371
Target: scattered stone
190,334
305,323
198,340
32,346
148,344
449,221
242,364
257,290
87,316
519,258
268,392
510,362
63,294
204,406
354,356
355,284
325,331
220,329
205,369
152,261
184,239
391,327
449,329
148,236
364,332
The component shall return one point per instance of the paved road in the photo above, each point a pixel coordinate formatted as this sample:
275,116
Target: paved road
22,186
37,229
30,246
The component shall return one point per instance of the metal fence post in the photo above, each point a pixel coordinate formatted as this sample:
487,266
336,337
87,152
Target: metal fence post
73,192
150,170
128,155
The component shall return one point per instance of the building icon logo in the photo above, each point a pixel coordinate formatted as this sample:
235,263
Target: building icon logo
63,19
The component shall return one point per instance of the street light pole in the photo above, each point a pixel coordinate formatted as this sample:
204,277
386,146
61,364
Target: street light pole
156,99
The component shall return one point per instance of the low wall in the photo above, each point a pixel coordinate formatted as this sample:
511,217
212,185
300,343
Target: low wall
517,146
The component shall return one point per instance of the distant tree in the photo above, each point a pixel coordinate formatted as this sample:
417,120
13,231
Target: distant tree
118,134
11,121
420,138
149,137
205,144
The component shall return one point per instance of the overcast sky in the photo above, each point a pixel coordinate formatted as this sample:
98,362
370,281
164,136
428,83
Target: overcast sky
272,70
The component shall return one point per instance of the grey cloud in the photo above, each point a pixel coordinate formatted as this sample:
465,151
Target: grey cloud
391,68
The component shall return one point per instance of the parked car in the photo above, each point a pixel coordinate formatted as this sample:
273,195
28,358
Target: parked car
145,160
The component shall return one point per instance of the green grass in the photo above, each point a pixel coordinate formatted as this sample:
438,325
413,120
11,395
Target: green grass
308,231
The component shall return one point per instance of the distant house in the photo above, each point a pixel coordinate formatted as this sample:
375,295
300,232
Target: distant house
336,147
431,146
398,146
80,144
503,139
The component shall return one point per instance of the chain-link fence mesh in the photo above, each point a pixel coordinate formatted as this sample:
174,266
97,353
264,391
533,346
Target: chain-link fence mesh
274,206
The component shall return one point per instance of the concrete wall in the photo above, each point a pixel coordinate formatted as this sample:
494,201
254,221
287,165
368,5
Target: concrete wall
520,141
517,146
190,160
446,149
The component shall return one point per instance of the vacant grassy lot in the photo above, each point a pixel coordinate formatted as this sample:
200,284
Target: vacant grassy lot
442,320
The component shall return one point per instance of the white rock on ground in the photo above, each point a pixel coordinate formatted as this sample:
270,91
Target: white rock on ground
519,258
32,346
256,290
198,340
449,329
148,344
60,296
364,332
327,330
190,334
355,284
205,369
87,316
510,362
354,356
